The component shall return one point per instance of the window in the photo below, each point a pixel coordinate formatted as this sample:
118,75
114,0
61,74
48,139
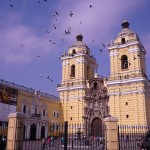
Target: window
24,109
127,116
35,110
57,115
95,85
43,112
126,103
71,107
123,41
54,114
70,118
124,62
73,51
72,71
88,72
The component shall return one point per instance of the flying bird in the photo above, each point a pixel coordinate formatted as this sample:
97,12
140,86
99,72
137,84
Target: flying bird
47,31
54,27
40,76
22,45
101,50
90,6
51,80
103,45
71,13
57,13
11,5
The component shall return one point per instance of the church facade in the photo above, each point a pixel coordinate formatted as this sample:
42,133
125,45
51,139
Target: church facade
125,94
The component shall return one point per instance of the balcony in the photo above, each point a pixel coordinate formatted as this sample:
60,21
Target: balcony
36,115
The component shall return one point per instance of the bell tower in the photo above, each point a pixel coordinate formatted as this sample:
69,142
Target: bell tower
128,84
78,66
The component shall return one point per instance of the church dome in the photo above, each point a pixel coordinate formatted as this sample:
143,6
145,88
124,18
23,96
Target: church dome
125,35
79,45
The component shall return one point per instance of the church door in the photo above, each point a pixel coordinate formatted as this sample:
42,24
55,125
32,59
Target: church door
96,127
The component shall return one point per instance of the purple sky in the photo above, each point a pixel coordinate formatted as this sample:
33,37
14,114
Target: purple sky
26,28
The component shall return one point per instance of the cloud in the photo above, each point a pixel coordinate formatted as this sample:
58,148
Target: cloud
19,42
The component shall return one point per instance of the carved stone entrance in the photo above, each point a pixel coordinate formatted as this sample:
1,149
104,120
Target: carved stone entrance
96,107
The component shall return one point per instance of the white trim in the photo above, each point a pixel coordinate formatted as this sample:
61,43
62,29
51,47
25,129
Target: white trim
125,81
125,93
133,50
123,45
70,88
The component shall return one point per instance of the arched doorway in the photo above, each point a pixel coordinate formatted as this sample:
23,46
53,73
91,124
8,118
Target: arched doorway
97,127
33,132
42,132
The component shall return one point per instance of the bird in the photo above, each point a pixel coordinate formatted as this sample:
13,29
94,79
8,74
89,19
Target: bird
53,43
71,13
56,13
22,45
47,31
103,45
40,76
38,56
45,0
90,6
39,2
93,40
54,27
47,77
59,57
51,80
62,39
50,40
101,50
53,15
11,5
80,22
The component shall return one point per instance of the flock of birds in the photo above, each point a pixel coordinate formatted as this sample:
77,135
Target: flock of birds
67,32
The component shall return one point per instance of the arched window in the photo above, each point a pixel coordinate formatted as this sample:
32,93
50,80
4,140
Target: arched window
95,85
72,71
73,51
88,72
43,112
33,132
123,41
124,62
24,109
42,132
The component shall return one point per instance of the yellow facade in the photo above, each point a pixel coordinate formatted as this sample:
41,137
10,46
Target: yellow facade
128,84
78,67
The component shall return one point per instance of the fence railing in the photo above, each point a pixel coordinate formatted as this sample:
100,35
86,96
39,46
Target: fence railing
132,137
63,137
3,137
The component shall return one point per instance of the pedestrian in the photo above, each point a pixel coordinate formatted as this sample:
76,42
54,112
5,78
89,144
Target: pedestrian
62,140
138,144
43,143
101,146
49,141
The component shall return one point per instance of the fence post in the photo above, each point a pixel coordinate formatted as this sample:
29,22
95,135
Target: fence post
111,133
15,131
66,135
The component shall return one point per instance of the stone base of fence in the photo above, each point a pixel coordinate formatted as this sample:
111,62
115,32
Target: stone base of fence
111,135
15,131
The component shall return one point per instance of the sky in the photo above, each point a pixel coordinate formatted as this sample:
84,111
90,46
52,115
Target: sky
32,35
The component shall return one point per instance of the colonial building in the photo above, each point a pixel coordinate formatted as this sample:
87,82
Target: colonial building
41,109
128,85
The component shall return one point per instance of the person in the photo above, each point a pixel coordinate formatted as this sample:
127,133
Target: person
101,146
62,140
43,143
49,141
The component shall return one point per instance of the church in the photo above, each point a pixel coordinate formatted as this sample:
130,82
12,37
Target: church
86,97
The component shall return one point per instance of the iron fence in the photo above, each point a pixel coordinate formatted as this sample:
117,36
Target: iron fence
3,137
132,137
63,137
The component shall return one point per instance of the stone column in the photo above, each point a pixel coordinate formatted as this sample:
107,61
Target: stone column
15,131
111,134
